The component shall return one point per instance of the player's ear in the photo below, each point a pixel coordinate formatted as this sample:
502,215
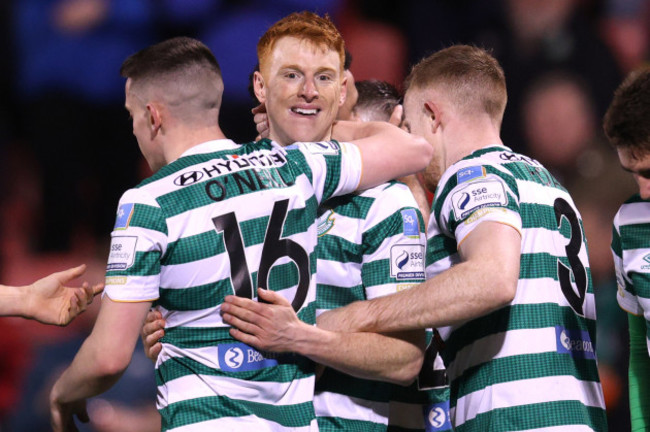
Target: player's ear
433,111
259,86
155,118
344,90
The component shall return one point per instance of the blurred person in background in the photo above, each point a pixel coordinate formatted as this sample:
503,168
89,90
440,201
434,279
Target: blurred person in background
67,52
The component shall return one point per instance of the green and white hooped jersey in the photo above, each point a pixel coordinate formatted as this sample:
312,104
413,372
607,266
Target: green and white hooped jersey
631,250
370,244
531,364
224,219
424,405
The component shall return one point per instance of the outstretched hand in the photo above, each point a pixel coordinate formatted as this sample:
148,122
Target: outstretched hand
50,301
271,326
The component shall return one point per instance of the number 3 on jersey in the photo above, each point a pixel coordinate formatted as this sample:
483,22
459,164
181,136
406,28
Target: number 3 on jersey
273,249
575,299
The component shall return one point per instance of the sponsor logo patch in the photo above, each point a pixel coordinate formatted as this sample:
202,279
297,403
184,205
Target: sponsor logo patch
476,195
470,173
115,280
124,214
188,178
436,417
322,147
577,343
239,357
122,253
411,223
407,261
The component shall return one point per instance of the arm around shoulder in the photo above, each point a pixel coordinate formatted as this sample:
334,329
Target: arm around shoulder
387,152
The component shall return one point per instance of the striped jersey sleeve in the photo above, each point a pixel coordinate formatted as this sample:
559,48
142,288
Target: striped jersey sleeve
631,251
505,367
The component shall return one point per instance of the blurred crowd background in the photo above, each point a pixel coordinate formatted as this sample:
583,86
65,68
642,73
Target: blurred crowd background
67,153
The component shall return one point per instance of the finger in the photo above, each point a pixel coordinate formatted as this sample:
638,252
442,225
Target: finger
153,338
249,327
152,327
153,315
98,288
273,297
261,108
244,337
71,273
154,351
396,116
241,302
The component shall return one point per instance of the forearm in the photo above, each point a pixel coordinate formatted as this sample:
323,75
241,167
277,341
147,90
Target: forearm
639,375
395,358
454,296
87,376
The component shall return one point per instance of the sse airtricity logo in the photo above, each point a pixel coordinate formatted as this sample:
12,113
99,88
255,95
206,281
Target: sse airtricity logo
463,201
401,260
234,358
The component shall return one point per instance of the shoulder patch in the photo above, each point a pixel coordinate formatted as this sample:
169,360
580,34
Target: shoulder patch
470,173
471,197
411,224
122,253
124,214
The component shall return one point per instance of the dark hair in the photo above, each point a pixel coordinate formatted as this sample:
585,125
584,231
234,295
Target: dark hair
168,57
627,120
377,98
348,60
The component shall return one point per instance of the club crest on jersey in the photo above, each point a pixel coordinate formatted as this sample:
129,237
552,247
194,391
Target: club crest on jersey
407,261
470,173
473,196
124,214
411,223
325,223
323,147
